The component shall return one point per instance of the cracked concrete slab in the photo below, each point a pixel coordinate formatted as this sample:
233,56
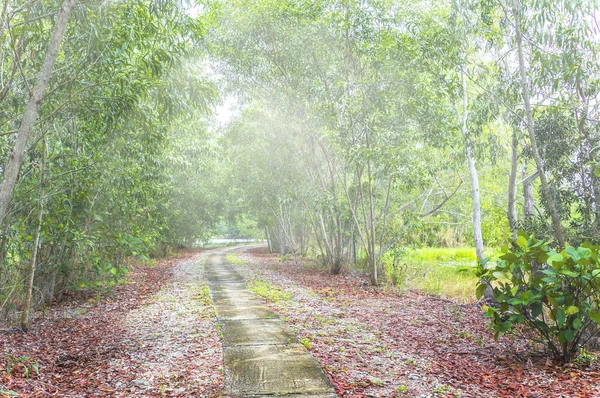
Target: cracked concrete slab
256,332
247,312
242,310
216,287
225,278
232,294
273,369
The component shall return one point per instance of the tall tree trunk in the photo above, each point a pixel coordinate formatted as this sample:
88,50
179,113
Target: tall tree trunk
512,186
371,230
268,236
326,241
596,191
556,224
318,239
475,197
336,265
591,141
34,250
476,203
3,16
334,239
15,159
528,208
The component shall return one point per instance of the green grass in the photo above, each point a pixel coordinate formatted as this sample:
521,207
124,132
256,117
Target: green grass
234,259
306,343
441,271
442,254
268,291
443,280
204,296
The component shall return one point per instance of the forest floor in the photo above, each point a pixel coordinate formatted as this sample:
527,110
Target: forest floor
377,343
156,336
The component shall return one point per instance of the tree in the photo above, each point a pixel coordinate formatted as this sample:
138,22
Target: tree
556,223
15,159
36,242
109,120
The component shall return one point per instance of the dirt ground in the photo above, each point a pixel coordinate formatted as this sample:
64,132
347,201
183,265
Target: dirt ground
157,336
154,336
374,342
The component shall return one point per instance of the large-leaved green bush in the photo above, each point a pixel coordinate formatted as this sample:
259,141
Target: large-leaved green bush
555,294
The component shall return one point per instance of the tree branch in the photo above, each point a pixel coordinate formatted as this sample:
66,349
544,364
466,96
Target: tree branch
447,198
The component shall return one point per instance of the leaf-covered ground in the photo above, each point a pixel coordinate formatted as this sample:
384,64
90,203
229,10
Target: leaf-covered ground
154,336
373,343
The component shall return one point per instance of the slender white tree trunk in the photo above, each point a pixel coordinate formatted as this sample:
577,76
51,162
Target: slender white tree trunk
512,187
15,158
476,204
556,225
3,16
36,242
475,196
528,208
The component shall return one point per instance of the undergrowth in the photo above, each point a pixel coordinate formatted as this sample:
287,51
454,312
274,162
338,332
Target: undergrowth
446,272
268,291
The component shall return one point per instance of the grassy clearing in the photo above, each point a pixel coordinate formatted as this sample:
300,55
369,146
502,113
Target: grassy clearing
447,281
442,254
446,272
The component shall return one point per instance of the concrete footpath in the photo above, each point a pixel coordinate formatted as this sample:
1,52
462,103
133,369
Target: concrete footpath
262,357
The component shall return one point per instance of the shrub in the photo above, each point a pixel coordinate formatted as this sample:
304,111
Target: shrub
555,294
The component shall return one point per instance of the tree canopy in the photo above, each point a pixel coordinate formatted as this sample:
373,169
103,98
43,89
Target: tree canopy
360,128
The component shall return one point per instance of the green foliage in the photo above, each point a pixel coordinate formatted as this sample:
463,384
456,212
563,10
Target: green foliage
584,358
446,280
122,119
556,294
349,141
441,271
394,268
443,254
25,364
305,341
204,297
241,227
